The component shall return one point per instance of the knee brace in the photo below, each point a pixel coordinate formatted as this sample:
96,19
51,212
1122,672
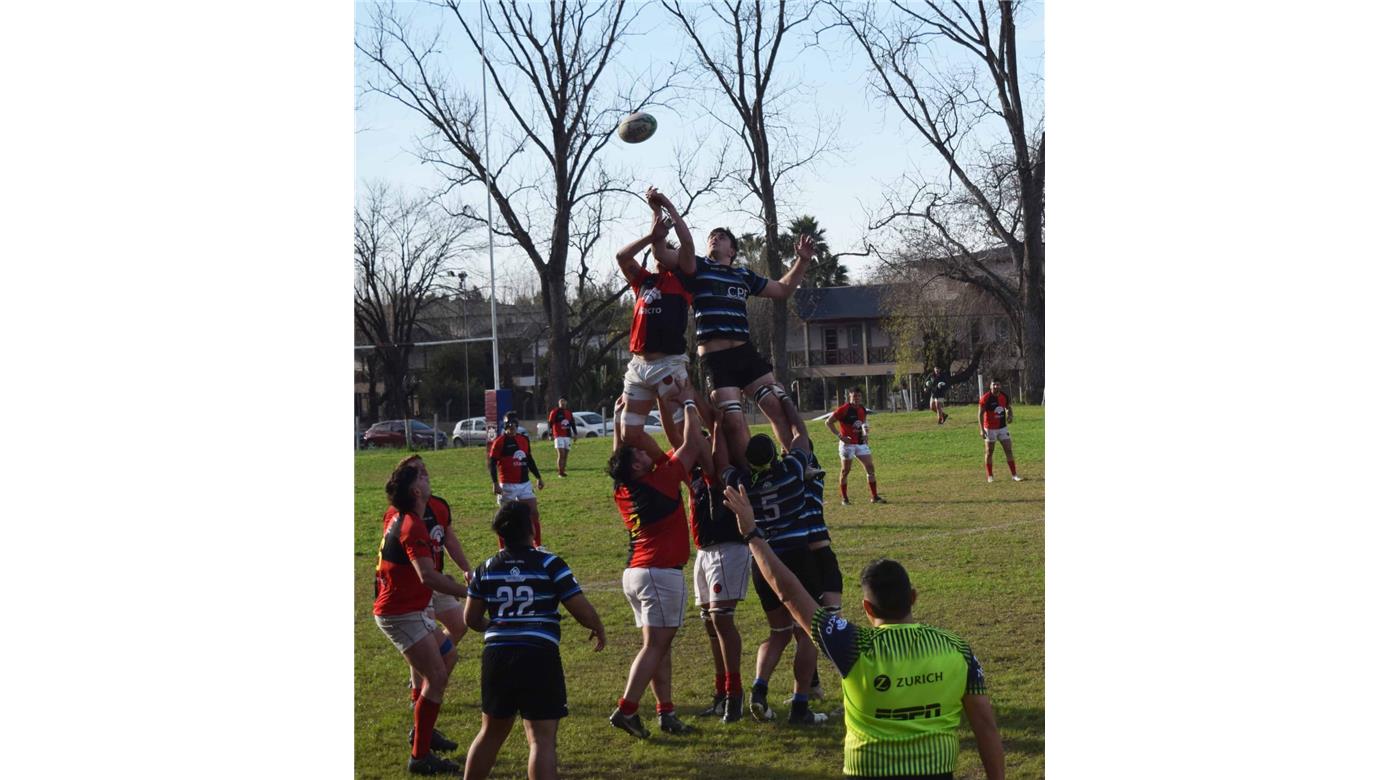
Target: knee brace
727,612
732,407
775,390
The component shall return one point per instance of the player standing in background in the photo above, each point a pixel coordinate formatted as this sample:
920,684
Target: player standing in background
907,684
995,415
508,462
514,599
937,392
658,365
721,291
561,427
405,578
721,574
648,495
777,487
854,442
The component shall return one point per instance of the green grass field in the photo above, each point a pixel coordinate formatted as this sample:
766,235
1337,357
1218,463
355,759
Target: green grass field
975,552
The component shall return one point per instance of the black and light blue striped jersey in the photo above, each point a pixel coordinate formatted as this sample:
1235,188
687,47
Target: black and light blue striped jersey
720,296
522,589
813,512
778,497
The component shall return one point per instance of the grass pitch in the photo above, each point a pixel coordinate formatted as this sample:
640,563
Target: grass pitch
975,552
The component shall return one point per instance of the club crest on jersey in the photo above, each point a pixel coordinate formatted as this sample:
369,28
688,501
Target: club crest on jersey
436,534
652,295
515,575
519,456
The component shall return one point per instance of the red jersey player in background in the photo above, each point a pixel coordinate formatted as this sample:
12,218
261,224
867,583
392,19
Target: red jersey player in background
648,495
404,581
508,462
855,442
561,427
995,415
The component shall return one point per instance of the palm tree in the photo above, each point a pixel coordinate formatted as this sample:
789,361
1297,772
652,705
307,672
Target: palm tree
826,271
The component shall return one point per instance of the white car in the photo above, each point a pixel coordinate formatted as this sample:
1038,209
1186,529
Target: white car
587,425
470,432
653,424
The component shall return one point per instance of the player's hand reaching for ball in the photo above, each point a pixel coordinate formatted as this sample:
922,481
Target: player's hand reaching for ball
805,248
660,226
737,499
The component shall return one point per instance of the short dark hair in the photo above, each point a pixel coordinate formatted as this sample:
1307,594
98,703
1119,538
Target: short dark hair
512,524
399,488
620,465
885,584
733,242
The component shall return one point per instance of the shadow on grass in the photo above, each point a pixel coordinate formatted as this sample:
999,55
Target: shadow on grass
1028,722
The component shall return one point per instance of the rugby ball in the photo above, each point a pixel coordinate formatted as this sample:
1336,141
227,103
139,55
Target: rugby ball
635,128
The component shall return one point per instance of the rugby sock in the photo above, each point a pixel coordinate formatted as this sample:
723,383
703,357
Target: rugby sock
760,685
734,684
799,704
720,682
872,488
663,707
413,695
425,714
1011,464
843,489
989,469
629,708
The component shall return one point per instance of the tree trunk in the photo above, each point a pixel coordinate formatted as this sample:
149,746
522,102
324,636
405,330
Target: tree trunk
1033,322
777,336
560,371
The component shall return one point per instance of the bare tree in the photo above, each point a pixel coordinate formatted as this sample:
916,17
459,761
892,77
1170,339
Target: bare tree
742,58
994,193
404,248
546,65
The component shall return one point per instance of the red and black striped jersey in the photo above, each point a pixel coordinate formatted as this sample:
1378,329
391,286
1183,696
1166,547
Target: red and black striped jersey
511,451
994,409
561,423
659,315
397,587
654,516
851,418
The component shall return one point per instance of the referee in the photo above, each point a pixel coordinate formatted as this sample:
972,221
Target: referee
905,684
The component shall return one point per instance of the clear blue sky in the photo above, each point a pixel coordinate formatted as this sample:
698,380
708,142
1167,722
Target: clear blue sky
876,146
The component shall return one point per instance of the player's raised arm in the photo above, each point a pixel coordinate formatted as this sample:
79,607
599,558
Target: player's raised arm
784,288
685,256
627,256
799,604
692,439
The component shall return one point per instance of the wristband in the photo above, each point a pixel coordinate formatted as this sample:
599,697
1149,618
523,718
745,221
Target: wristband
755,533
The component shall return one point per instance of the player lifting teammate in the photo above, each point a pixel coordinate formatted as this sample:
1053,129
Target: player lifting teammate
855,442
648,496
514,599
405,579
508,462
995,415
777,487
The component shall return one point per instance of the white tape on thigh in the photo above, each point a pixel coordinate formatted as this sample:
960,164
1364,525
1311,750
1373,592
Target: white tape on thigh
634,419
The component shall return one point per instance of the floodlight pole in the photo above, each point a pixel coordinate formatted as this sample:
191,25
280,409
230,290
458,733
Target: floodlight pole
490,219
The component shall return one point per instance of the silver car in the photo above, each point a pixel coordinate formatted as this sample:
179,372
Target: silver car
470,432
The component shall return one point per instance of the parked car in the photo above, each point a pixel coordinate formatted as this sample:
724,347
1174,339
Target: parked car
652,425
389,433
470,432
587,425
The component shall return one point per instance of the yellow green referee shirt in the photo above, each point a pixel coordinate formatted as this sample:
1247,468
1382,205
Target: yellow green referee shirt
903,686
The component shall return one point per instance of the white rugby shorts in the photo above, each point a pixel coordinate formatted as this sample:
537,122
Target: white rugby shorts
997,434
514,491
563,443
443,603
647,380
722,572
849,451
657,596
408,629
